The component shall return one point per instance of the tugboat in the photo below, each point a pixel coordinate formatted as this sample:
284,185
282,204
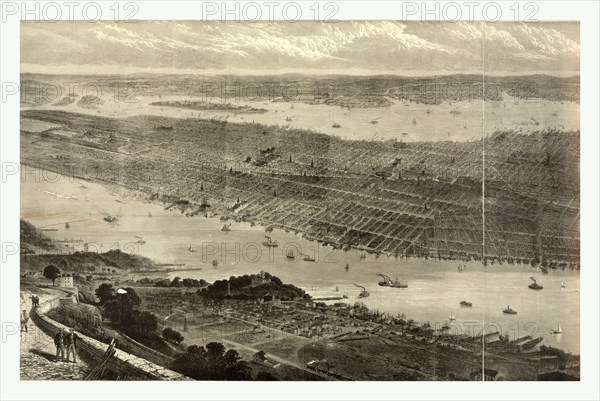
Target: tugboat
364,293
535,285
509,311
191,249
386,280
140,240
270,243
226,227
466,303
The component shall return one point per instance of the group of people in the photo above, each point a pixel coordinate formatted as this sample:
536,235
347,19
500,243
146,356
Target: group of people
66,341
35,301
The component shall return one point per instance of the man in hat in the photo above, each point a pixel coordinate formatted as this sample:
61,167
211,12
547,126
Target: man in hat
24,320
59,342
70,343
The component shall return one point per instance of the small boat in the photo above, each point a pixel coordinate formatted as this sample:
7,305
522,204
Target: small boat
398,284
535,285
226,227
192,249
336,125
290,254
465,303
347,268
270,243
215,263
140,240
67,226
451,317
308,258
558,330
509,311
110,219
563,285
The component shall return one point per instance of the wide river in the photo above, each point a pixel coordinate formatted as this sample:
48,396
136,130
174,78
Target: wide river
435,288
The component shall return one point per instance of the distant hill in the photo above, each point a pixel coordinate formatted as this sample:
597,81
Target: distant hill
32,238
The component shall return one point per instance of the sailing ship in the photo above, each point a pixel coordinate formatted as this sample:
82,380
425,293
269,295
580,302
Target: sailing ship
337,289
558,330
270,243
290,254
347,268
461,268
509,311
452,317
67,226
363,256
535,285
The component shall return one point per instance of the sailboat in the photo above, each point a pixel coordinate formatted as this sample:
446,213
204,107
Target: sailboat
149,214
452,317
563,285
461,267
347,268
558,330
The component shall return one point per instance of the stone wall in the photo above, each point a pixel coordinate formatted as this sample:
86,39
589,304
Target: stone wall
124,364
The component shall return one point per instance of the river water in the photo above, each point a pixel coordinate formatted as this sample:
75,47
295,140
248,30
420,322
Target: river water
435,288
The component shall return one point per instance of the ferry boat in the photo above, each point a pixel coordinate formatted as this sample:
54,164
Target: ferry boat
509,311
465,303
270,243
535,285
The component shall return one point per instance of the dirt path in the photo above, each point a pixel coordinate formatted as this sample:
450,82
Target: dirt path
38,351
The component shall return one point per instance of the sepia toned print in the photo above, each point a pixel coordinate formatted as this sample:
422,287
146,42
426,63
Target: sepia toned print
353,200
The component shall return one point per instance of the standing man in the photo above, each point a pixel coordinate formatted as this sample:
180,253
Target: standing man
24,320
59,341
70,343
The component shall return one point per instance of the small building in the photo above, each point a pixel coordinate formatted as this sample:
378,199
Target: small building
259,279
261,358
64,280
490,375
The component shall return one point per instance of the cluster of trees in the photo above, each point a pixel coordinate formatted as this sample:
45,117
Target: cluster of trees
212,363
125,308
177,282
240,287
172,335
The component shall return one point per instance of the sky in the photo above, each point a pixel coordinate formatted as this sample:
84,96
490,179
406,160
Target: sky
343,47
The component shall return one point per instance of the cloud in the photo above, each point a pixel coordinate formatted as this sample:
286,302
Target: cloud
350,45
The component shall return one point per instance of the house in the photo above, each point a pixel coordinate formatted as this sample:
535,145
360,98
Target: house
490,375
261,358
259,279
64,280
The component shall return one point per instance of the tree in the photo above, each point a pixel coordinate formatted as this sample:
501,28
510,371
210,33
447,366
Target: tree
51,272
172,335
105,292
147,322
212,363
